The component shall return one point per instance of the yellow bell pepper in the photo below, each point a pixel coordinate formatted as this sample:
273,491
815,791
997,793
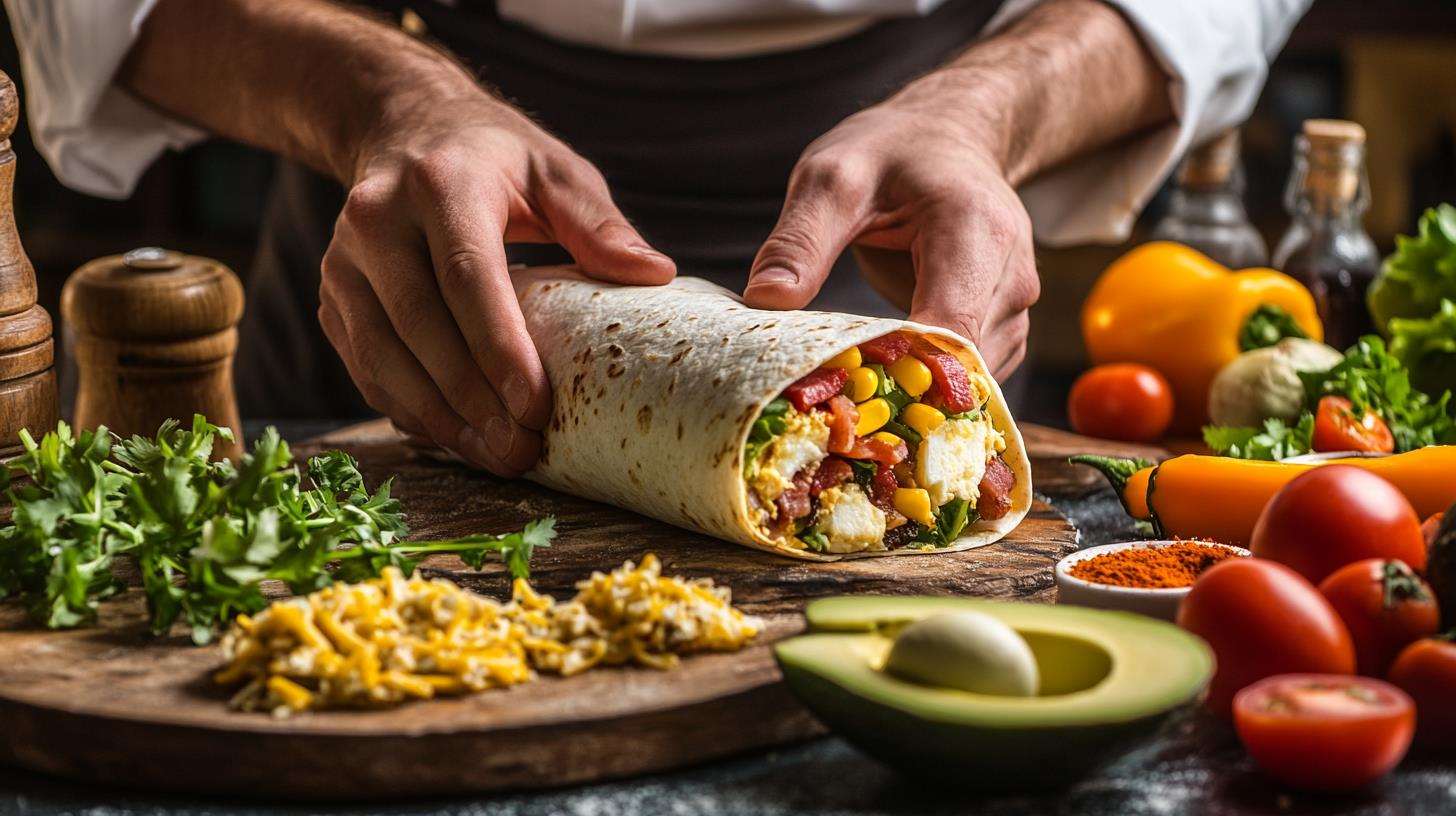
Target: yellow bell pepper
1174,309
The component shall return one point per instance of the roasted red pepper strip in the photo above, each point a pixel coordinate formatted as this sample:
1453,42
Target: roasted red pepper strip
843,416
878,450
995,499
816,387
951,383
885,350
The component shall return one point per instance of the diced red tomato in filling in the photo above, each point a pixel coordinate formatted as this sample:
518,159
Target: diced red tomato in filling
816,387
951,383
843,416
884,484
885,350
878,450
995,499
832,471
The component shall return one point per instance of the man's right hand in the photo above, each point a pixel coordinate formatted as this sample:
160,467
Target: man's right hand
415,293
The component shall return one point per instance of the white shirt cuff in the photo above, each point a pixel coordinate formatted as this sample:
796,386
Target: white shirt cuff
1216,53
96,137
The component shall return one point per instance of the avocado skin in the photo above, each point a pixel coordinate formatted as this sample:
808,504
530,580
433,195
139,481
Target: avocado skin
983,759
1441,568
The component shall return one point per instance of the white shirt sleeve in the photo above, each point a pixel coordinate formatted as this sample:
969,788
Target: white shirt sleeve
96,137
1217,53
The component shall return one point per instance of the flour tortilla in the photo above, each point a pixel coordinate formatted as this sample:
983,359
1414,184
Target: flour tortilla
656,389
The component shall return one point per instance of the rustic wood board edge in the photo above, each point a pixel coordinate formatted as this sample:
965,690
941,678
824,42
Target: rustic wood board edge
107,704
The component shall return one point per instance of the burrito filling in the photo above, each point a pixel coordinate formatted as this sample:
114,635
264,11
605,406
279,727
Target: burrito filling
887,445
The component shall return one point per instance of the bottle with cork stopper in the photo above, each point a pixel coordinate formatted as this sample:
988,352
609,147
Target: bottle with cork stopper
1206,210
154,333
1326,246
27,349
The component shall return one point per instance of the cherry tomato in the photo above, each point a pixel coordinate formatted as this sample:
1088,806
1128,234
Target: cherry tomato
1426,670
1262,619
1122,401
1335,515
1431,527
1385,606
1337,428
1324,732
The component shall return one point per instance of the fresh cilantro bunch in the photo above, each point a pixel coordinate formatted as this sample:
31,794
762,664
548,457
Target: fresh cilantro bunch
204,535
1274,441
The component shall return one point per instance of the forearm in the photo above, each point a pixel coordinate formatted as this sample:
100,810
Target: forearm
1069,77
307,78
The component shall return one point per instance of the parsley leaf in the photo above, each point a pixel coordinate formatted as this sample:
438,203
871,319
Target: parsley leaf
770,423
950,520
1274,441
1374,380
204,535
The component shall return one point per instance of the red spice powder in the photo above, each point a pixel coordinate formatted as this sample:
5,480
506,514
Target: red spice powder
1165,567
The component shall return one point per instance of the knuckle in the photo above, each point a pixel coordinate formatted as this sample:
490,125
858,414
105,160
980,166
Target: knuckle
365,204
835,175
436,171
409,317
789,245
461,267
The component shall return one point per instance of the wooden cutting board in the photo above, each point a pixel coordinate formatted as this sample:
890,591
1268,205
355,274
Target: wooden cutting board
113,704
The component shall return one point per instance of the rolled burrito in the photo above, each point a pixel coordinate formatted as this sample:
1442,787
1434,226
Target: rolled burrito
813,435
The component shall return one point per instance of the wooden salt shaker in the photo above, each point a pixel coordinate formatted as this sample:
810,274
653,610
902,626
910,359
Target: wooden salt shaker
27,351
154,333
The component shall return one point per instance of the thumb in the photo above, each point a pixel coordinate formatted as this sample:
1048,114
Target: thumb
583,218
821,216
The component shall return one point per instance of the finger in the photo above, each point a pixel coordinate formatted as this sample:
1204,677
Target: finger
826,206
960,260
381,357
463,230
578,208
1004,345
400,276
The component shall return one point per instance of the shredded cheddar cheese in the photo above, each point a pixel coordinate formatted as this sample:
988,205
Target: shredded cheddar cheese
392,639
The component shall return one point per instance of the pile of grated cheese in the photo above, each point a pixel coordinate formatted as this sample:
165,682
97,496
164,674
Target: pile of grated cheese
392,639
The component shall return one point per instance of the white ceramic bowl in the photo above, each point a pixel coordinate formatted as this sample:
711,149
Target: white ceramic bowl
1155,603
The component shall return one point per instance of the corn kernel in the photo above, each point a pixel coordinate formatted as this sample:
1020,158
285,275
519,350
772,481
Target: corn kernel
911,375
872,416
914,503
862,384
921,417
889,438
849,358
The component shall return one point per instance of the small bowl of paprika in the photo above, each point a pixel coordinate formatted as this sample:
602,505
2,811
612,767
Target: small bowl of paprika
1147,577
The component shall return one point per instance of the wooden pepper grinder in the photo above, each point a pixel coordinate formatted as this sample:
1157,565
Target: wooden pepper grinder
27,351
154,332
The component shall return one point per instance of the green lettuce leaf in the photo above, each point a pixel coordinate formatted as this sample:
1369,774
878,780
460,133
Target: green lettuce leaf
1420,274
1428,348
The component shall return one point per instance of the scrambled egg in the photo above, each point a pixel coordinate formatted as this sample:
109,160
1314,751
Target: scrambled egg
951,460
391,639
804,442
849,521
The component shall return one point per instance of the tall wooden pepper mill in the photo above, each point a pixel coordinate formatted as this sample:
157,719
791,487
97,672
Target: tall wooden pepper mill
154,332
27,352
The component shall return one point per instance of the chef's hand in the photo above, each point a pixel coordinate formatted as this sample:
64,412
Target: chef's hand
415,293
904,179
922,183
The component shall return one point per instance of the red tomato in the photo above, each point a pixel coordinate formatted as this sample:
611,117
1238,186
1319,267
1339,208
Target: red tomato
1337,428
1426,670
842,418
1123,401
1323,732
816,387
869,447
1262,619
1431,527
1335,515
1385,606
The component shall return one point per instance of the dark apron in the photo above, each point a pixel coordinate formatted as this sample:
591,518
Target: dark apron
697,154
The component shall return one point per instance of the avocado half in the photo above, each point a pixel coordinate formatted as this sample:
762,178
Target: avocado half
1106,678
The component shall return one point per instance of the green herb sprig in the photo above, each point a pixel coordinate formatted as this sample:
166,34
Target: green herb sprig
204,535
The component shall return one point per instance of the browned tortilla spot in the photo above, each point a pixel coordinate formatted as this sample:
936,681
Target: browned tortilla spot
615,370
677,358
644,418
611,327
663,323
679,429
615,350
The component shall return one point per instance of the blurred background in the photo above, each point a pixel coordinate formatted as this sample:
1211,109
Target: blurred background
1390,66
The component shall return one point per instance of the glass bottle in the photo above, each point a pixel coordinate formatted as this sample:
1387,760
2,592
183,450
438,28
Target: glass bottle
1207,208
1326,247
